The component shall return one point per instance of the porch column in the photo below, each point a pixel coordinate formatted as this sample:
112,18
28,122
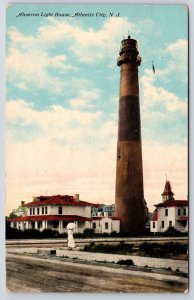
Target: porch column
60,226
76,229
36,225
27,225
22,226
45,225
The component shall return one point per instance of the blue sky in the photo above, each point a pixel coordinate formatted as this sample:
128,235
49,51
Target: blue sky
63,92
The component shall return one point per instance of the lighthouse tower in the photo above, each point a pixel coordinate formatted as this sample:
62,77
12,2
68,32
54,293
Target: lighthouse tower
129,195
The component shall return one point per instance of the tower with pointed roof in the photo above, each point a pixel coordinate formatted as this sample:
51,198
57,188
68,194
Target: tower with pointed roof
167,195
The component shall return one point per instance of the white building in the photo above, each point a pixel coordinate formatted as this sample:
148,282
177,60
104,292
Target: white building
20,211
103,210
55,212
170,213
105,224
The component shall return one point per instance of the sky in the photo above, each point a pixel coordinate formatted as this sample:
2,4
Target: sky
62,96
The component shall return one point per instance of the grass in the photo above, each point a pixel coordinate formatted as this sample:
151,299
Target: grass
166,250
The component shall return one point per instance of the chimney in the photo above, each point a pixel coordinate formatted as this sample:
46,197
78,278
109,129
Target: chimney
22,203
34,199
76,197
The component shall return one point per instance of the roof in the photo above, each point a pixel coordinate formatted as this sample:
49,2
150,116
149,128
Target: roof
167,189
58,200
109,217
183,219
173,203
50,218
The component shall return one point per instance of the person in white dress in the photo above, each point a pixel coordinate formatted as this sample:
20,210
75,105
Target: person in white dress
70,239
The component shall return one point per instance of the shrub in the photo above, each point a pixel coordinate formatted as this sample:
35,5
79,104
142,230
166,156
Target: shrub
171,231
31,234
88,232
13,233
106,248
166,250
48,233
127,262
62,235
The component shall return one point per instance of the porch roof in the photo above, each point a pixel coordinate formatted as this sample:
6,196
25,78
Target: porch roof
171,203
69,218
184,218
102,217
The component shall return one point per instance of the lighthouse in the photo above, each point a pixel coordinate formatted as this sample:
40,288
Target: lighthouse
129,194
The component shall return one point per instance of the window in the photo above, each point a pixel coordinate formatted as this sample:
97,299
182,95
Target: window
30,211
184,211
166,212
60,210
94,225
42,210
46,211
179,212
33,210
170,223
106,225
154,225
162,224
38,210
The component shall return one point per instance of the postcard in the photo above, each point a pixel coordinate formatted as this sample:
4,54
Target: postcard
96,148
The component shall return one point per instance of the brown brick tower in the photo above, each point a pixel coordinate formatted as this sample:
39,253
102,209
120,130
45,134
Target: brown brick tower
129,198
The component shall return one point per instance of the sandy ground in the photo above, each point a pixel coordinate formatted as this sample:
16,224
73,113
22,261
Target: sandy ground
30,274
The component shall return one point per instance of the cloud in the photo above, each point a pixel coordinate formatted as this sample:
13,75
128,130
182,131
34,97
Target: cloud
87,44
62,150
56,123
61,160
161,159
157,96
30,64
46,168
177,64
35,61
21,86
86,99
31,68
163,113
